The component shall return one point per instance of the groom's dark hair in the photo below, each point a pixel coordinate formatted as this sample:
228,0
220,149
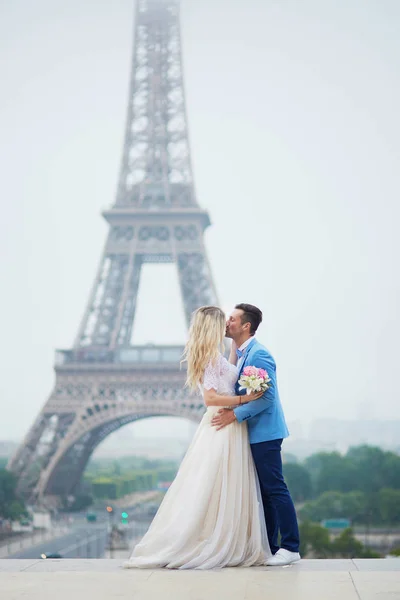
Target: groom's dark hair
251,314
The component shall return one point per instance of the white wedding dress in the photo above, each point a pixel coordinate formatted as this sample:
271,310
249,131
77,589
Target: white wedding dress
212,515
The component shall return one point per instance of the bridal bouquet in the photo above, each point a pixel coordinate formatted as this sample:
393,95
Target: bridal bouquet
254,380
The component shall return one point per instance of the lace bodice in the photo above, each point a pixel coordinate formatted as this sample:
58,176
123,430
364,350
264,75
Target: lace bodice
221,376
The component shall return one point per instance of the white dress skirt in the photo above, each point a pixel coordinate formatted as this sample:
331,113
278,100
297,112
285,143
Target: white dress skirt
212,515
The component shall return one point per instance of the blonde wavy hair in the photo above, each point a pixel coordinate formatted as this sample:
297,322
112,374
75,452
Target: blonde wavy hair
205,342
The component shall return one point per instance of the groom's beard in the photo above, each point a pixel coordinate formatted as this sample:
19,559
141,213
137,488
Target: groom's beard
228,335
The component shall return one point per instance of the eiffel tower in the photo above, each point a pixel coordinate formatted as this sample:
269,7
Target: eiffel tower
105,382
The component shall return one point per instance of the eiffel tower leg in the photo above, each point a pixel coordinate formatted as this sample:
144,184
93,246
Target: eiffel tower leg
39,446
85,331
103,311
20,461
196,282
124,323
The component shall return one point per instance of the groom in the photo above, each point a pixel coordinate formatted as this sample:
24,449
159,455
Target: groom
267,428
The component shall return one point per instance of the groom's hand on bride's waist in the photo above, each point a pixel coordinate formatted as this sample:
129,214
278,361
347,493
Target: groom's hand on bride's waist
224,417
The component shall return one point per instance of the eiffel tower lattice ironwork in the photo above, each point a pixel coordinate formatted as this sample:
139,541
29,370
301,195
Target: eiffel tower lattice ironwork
104,382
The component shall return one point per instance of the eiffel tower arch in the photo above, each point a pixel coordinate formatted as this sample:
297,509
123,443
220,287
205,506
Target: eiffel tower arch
104,382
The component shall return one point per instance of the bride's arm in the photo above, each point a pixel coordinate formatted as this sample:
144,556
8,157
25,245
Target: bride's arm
232,355
211,398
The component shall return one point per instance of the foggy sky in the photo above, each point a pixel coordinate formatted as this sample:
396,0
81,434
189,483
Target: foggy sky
294,128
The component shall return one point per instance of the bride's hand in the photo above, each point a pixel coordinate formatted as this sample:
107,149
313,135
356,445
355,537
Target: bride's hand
252,396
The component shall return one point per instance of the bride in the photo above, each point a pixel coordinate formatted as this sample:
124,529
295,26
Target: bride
212,515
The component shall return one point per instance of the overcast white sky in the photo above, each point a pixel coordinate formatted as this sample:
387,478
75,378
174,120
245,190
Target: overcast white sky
295,128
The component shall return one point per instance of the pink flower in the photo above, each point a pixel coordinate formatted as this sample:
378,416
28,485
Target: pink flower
262,373
247,371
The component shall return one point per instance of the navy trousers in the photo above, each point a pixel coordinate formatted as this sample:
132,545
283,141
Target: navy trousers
280,515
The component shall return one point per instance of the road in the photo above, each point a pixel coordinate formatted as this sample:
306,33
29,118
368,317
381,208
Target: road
90,540
83,541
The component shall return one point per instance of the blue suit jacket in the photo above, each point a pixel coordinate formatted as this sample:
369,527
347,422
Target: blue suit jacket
265,418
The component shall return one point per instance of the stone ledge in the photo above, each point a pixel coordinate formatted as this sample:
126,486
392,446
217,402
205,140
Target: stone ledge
104,579
102,565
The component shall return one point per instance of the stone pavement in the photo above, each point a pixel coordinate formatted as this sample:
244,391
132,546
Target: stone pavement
364,579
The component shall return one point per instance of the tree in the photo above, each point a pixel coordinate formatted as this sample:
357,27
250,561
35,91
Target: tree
355,506
104,487
378,508
389,506
336,505
289,458
391,471
330,471
11,507
116,468
299,481
374,468
314,539
347,546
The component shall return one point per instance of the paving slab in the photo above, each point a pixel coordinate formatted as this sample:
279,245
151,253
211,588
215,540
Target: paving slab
96,564
17,564
375,585
75,564
377,564
80,579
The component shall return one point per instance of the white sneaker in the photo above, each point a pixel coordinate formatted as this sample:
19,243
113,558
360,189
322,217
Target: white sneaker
283,557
